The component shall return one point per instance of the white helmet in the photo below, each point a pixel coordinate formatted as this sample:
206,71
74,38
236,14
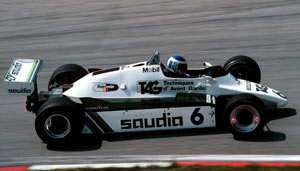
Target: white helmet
177,64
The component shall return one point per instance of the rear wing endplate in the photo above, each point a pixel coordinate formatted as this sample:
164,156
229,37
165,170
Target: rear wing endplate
21,77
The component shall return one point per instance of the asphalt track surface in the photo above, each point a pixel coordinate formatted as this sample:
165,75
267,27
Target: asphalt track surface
107,33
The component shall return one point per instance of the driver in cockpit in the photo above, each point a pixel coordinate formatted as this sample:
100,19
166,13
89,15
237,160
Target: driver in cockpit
177,66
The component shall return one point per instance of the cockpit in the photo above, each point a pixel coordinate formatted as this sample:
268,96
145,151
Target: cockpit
212,71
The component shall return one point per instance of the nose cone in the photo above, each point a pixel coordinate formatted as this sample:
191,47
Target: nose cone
282,102
280,98
268,95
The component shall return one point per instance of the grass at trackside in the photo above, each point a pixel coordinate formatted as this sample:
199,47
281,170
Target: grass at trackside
194,168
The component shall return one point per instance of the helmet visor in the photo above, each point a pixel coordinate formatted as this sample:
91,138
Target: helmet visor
182,68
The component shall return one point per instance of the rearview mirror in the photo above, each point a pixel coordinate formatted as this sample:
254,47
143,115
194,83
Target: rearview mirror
207,65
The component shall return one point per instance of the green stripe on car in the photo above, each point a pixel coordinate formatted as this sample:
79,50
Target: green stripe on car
31,70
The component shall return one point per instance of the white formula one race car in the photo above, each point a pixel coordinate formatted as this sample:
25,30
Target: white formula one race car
144,96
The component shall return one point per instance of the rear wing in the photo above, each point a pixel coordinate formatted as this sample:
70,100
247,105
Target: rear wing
20,79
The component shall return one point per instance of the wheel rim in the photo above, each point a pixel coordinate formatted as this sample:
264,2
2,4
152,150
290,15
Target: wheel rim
57,126
244,118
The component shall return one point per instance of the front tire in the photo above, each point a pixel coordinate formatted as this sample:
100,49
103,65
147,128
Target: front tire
58,125
244,116
243,67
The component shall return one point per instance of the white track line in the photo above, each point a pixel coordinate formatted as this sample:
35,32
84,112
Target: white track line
97,166
147,158
164,160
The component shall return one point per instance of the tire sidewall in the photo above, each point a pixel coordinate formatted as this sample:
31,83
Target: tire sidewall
235,102
67,70
244,62
75,122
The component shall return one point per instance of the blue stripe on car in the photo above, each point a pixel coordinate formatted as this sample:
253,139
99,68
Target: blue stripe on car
179,58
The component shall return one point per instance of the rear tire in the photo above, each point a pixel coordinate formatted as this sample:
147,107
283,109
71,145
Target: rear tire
66,74
243,67
244,116
58,126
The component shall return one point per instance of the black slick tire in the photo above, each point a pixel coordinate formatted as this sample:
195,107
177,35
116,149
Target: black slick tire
244,116
58,125
66,74
243,67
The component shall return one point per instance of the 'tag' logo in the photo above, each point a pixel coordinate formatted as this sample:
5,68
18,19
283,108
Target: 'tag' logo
150,87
